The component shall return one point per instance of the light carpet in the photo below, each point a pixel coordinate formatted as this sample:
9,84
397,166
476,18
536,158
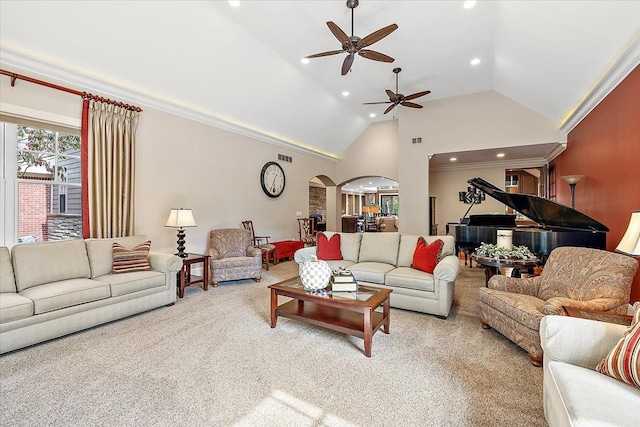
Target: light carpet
212,360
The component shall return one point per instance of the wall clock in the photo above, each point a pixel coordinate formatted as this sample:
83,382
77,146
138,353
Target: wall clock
272,179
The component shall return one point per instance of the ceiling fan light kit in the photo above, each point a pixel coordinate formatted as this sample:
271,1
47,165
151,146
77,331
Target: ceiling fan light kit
353,44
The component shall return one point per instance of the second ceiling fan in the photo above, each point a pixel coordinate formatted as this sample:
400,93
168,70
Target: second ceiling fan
355,44
396,98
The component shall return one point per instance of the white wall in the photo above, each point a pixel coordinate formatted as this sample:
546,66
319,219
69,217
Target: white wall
374,153
446,184
184,163
469,122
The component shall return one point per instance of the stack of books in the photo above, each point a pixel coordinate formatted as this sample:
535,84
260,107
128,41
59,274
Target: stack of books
343,281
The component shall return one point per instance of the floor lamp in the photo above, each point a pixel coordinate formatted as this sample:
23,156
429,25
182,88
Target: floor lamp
572,180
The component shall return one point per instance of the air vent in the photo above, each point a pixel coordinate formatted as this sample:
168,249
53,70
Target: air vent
416,140
285,158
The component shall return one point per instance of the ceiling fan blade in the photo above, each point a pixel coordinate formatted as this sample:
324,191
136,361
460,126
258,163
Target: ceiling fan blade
340,35
417,95
389,108
410,104
376,36
381,102
392,95
331,52
346,65
376,56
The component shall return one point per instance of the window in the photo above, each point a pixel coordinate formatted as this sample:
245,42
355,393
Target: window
48,186
389,204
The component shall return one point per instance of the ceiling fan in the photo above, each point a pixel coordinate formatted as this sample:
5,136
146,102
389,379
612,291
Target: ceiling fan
396,98
355,44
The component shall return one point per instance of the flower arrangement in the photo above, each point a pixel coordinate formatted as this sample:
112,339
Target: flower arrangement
489,250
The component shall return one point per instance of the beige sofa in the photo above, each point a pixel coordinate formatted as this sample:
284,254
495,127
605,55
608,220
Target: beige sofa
384,259
51,289
574,393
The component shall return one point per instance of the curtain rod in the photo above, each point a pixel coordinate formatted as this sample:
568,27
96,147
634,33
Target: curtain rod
84,95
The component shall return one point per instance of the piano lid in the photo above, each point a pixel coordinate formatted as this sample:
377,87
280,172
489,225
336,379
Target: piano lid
543,211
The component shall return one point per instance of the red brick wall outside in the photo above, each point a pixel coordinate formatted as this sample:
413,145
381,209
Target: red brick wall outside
33,207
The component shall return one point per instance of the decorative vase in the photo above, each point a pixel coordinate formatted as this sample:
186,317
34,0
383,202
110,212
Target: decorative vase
315,274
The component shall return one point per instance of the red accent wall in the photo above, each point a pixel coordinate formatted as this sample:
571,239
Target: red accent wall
605,146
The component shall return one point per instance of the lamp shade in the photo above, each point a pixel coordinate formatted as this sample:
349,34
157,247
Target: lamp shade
180,218
572,179
374,209
630,243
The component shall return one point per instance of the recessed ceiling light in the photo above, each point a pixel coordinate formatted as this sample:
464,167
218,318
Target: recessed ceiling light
237,3
475,61
370,182
500,155
305,60
469,4
453,159
345,93
372,115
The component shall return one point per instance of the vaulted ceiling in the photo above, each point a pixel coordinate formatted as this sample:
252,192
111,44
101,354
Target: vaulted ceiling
240,66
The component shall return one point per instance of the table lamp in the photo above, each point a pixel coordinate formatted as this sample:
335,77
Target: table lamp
630,243
180,218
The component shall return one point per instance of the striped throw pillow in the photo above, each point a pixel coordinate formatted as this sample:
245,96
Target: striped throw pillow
623,361
127,260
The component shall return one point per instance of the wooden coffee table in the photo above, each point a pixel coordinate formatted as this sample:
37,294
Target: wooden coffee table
352,313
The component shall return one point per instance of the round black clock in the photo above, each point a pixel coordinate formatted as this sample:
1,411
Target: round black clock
272,179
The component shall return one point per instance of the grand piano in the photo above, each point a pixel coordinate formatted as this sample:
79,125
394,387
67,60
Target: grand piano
555,224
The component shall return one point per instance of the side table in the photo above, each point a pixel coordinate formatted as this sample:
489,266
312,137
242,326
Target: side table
601,316
185,278
491,266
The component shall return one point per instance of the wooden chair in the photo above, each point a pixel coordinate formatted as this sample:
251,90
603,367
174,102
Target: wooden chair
262,242
307,231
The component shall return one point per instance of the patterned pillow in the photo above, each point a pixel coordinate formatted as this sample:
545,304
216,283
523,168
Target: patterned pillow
125,260
623,361
427,256
329,249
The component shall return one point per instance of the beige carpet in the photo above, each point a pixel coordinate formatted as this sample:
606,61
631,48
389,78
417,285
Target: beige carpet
213,360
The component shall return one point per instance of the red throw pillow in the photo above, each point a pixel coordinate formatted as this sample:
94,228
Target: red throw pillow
329,249
426,256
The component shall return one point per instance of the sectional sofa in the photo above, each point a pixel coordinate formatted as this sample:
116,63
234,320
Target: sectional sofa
51,289
384,259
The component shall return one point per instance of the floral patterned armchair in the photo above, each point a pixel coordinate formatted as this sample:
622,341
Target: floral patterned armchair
233,256
584,278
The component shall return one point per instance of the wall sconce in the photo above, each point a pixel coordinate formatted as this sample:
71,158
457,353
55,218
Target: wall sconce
180,218
572,180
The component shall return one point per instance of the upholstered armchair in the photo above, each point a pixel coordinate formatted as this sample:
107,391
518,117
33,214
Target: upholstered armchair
584,278
233,256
